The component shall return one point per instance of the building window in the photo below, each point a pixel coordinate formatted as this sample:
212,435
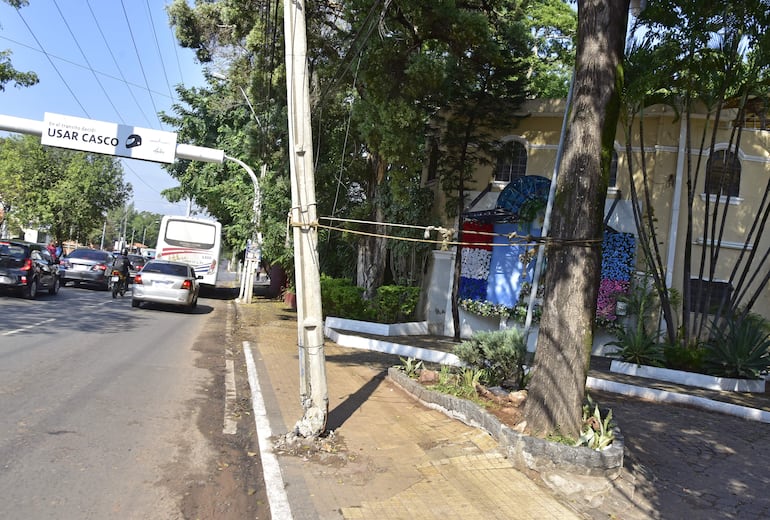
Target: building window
723,174
613,183
511,162
708,295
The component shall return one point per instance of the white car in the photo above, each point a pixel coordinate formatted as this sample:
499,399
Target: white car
170,283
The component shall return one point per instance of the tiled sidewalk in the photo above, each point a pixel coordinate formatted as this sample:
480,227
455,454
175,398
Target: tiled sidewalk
401,460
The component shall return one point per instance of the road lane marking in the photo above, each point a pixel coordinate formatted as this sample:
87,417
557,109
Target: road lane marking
231,422
274,485
27,327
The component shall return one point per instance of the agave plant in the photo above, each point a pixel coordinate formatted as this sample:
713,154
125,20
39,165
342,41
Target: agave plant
739,347
597,432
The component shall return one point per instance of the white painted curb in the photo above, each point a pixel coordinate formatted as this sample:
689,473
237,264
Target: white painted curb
662,396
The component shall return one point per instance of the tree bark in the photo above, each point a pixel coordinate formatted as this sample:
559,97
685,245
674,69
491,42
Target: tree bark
372,249
557,388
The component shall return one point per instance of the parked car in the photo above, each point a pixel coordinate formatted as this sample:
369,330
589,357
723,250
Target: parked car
162,281
89,266
27,268
137,262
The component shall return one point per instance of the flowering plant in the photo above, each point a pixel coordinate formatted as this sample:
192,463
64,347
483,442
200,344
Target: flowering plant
486,308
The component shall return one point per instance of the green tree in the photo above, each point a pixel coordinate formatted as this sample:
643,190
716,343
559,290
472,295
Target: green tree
8,74
557,387
691,56
63,191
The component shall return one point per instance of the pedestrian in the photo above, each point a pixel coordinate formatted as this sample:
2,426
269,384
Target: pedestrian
52,249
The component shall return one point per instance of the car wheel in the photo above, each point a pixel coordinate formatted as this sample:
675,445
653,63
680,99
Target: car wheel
54,289
31,290
135,303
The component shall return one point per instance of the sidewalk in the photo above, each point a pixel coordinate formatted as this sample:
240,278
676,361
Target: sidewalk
390,457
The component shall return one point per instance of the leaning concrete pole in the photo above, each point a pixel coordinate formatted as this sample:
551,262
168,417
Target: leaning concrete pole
313,392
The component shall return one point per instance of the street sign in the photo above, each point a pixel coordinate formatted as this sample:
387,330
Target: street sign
88,135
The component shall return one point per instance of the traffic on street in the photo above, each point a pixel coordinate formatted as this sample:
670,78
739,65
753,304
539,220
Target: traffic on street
112,411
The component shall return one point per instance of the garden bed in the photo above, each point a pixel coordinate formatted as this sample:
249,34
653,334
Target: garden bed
689,378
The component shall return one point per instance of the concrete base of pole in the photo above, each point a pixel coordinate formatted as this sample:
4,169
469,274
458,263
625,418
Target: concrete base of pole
312,424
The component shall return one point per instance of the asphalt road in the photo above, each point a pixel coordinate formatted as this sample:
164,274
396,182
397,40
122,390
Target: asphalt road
100,406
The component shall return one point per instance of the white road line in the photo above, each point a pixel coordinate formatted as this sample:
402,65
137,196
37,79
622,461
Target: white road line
274,485
30,326
231,424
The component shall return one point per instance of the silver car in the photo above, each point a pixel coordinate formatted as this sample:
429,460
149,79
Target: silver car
170,283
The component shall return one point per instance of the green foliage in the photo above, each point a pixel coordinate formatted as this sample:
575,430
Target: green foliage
391,303
687,358
65,192
395,303
486,308
739,347
638,341
596,433
636,345
459,384
500,354
9,74
411,366
340,298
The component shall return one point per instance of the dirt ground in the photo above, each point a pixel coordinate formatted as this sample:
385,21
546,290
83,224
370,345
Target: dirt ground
231,487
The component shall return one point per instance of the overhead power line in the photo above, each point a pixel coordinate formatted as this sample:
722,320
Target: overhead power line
48,57
93,72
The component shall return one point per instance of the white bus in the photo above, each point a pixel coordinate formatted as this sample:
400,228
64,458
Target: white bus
194,241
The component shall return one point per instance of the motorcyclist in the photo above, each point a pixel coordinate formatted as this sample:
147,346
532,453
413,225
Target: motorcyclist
123,265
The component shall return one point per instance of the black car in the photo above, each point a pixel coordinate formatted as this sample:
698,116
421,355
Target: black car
27,268
89,266
137,262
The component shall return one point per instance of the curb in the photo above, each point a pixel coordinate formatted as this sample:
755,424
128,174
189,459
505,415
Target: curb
529,454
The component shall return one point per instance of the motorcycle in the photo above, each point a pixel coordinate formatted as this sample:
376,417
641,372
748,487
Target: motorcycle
118,281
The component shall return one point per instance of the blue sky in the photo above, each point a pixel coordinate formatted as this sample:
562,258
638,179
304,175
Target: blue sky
107,60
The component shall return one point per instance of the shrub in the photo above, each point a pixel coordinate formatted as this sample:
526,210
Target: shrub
391,304
340,298
689,359
396,303
638,342
738,347
500,354
636,345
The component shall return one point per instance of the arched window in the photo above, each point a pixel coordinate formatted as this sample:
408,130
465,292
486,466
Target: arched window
723,174
511,162
613,182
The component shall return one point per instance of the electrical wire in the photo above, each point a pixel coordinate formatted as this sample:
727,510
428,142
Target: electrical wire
141,66
115,61
85,58
18,11
157,46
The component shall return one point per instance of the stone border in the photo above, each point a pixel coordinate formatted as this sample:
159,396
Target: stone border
548,460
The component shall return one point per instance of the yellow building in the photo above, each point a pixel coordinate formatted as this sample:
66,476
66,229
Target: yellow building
531,146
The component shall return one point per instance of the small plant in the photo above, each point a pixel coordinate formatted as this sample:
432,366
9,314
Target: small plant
500,354
739,347
687,358
462,384
597,432
636,342
411,367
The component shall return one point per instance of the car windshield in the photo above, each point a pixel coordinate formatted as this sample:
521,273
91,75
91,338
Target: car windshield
170,269
90,254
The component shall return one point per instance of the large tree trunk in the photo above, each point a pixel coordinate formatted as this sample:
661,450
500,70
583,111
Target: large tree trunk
557,388
372,249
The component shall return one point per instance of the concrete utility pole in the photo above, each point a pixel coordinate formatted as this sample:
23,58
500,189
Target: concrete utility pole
313,391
